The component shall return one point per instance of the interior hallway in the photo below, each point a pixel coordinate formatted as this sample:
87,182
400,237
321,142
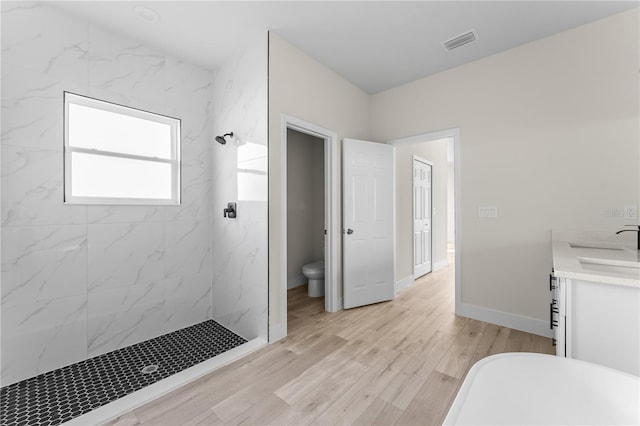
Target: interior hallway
398,362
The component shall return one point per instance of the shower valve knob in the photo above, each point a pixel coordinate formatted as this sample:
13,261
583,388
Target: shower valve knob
230,211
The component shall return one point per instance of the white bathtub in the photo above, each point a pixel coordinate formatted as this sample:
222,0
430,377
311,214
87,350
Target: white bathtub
527,388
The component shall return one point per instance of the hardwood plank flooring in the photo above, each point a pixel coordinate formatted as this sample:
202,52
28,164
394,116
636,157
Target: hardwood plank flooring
398,362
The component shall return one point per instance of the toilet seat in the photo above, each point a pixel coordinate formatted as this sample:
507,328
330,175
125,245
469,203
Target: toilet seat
315,274
313,268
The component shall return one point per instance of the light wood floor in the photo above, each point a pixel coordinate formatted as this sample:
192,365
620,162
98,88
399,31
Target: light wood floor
398,362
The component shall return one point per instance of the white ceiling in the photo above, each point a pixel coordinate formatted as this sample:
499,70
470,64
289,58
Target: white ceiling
374,44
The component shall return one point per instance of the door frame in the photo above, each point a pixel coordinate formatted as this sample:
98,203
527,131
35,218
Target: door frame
457,172
413,186
331,211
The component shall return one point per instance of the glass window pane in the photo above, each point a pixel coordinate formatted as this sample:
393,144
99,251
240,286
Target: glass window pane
109,131
102,176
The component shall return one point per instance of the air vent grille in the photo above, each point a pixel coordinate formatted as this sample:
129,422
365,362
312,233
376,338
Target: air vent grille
460,40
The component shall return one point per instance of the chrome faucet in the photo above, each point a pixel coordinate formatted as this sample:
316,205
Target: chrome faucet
633,230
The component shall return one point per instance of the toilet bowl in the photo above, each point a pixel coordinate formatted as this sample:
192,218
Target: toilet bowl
315,274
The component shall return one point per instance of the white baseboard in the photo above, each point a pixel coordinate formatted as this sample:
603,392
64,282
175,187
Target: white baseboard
296,281
129,402
404,283
505,319
440,264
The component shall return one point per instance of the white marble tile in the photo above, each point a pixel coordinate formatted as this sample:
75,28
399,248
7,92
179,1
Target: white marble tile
195,202
188,300
240,96
32,189
129,272
196,140
32,108
188,273
188,87
40,336
43,262
239,297
120,317
124,255
224,170
39,38
124,71
248,323
240,270
188,248
124,214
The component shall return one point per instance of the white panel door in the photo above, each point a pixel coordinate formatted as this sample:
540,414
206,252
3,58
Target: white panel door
421,217
368,215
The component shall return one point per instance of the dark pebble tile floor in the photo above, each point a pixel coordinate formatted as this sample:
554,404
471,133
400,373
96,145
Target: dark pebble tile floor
60,395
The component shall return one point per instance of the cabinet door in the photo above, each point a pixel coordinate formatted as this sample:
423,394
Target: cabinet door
603,325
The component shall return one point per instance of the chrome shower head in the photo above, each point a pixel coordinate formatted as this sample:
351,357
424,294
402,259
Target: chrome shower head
222,139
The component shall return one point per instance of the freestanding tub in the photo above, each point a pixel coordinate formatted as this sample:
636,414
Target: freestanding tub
527,388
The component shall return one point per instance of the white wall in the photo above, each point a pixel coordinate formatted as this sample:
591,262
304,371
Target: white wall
240,175
549,134
78,281
303,88
305,203
436,152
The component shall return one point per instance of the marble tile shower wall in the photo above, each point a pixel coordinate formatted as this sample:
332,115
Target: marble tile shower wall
240,269
79,281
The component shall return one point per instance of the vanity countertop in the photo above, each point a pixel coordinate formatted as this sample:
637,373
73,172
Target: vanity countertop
595,257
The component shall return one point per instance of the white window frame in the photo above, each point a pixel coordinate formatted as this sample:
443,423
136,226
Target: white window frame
175,125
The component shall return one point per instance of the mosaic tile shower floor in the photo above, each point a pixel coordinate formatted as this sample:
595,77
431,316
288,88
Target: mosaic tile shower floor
60,395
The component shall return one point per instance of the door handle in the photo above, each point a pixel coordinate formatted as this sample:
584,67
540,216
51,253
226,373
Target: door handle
349,231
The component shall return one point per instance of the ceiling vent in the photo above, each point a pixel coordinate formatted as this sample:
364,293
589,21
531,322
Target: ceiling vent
460,40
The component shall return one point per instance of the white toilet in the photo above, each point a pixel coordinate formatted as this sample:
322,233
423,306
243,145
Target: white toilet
315,273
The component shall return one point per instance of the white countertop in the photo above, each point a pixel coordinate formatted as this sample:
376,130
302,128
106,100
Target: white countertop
573,262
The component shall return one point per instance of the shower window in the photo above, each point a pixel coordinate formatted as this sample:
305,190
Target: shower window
114,154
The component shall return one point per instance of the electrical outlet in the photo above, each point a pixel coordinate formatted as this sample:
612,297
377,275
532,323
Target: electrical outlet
487,211
631,212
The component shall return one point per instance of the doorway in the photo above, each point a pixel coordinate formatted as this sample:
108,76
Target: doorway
332,236
305,220
442,148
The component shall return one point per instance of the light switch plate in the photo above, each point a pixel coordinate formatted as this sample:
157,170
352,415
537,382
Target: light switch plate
631,212
487,211
613,212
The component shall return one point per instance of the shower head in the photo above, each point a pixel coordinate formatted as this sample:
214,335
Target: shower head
222,139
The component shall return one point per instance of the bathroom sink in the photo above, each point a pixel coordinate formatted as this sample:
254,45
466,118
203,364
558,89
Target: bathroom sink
619,267
603,246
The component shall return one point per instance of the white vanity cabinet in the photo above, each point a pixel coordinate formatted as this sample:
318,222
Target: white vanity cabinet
598,322
595,302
